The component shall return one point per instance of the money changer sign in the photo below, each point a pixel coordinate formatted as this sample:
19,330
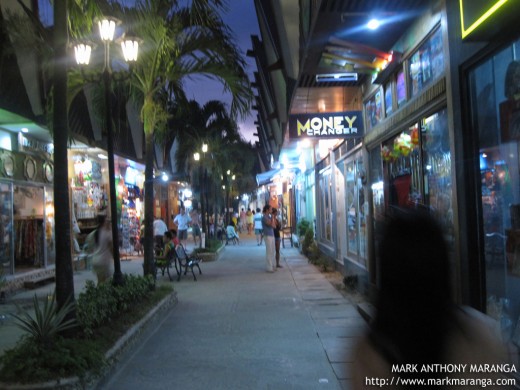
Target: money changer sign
347,124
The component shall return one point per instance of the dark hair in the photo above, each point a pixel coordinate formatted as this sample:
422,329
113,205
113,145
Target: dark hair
169,235
173,232
266,208
414,304
274,210
258,209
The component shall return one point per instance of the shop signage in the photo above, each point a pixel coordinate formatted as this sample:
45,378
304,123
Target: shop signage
32,145
348,124
473,13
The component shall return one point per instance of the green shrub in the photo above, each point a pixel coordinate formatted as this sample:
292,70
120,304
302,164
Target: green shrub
98,304
302,227
212,246
308,240
34,362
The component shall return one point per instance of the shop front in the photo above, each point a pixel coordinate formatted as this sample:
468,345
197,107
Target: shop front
88,175
494,95
26,207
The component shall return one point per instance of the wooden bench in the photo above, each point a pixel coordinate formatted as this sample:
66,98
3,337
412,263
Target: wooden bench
39,281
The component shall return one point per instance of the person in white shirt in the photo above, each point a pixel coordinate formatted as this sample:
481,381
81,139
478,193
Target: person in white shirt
182,221
159,228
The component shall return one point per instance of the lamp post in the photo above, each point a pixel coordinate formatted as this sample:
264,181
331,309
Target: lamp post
129,46
202,180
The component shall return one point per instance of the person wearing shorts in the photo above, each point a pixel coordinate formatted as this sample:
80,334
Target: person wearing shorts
259,229
182,220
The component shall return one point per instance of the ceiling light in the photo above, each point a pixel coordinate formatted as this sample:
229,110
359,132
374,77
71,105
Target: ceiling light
373,24
25,130
102,156
338,77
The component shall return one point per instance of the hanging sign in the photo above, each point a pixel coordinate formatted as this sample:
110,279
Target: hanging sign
348,124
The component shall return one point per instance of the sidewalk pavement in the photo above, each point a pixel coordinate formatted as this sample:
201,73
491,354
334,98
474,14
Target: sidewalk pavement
228,310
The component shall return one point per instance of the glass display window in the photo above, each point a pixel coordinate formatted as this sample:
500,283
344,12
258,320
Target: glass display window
400,88
356,209
389,99
494,87
324,205
374,110
417,169
6,228
427,63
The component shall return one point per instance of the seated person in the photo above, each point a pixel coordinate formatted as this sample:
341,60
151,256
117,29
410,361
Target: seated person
175,240
231,232
169,245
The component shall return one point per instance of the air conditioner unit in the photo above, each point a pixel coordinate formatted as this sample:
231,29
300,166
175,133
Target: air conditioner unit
336,77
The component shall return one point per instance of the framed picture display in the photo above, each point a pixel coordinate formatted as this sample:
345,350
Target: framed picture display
29,170
8,165
48,172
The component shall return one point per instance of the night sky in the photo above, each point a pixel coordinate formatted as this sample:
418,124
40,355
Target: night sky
243,22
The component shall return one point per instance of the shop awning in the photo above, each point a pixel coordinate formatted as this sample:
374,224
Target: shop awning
266,177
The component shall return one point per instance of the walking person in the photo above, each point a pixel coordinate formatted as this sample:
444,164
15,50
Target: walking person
268,225
257,221
277,239
182,220
249,221
102,258
195,227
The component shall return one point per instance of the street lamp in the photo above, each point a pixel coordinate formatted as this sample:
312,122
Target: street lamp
130,47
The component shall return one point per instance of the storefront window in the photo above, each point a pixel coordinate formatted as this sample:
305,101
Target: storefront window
400,88
389,101
6,228
49,226
89,191
495,112
427,63
325,202
374,110
437,169
418,170
29,231
356,210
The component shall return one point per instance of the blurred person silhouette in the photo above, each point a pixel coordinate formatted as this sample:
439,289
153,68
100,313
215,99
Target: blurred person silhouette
416,320
259,229
102,258
277,240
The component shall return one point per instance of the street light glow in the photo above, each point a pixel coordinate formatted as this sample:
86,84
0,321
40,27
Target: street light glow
107,28
204,148
130,47
82,52
196,156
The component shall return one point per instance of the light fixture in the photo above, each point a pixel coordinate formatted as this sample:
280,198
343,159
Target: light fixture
204,148
102,156
196,156
164,177
336,77
25,130
82,52
373,24
130,47
107,28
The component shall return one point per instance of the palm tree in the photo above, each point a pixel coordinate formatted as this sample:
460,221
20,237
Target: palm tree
194,125
180,41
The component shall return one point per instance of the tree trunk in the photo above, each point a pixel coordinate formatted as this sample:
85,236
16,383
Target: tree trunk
148,265
64,272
